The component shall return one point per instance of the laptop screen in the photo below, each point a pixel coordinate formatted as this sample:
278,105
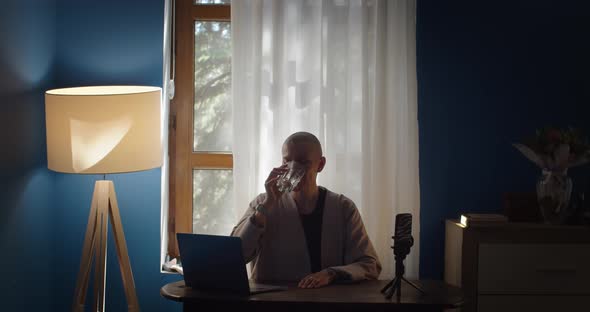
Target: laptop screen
213,263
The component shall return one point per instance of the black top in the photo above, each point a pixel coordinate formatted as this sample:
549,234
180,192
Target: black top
312,227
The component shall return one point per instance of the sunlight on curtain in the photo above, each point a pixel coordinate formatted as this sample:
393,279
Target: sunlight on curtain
344,70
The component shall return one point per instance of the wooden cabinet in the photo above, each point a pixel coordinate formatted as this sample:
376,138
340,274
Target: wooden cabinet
519,266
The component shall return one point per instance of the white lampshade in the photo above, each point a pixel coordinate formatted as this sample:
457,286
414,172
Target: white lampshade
103,129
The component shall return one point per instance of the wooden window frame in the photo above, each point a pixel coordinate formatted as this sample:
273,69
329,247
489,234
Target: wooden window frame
183,160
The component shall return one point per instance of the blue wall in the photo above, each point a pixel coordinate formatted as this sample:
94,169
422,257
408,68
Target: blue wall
27,36
111,42
43,215
489,74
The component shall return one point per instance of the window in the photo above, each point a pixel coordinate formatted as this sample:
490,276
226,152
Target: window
200,122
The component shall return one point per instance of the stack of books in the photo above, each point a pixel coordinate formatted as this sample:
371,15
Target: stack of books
482,219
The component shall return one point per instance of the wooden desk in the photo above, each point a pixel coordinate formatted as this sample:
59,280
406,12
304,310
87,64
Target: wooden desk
364,296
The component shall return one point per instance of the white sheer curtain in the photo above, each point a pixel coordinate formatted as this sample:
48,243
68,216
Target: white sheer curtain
344,70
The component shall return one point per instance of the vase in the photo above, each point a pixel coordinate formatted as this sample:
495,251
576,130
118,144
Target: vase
554,190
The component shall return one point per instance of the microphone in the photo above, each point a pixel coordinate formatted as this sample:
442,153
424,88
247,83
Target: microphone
402,242
402,239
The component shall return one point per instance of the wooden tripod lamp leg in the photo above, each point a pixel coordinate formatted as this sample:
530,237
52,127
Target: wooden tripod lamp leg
123,255
87,253
100,260
104,205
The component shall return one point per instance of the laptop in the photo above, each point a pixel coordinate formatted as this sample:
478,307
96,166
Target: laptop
216,264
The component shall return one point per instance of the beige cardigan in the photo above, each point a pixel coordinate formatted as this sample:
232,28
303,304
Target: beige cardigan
279,252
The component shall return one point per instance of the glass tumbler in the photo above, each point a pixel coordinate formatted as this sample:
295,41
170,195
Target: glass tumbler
290,179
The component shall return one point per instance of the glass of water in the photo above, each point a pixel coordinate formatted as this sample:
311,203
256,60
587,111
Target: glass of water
290,179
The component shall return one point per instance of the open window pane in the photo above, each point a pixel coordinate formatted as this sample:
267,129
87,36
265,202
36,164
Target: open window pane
212,103
212,202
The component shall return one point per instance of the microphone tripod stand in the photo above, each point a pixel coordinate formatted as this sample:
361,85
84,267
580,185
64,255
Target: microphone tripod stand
400,250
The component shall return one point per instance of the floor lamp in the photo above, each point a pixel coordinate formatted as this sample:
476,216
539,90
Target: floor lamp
100,130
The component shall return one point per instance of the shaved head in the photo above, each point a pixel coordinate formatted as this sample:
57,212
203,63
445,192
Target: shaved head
305,149
307,138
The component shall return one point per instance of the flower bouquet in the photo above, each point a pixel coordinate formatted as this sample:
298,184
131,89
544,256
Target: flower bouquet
555,151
